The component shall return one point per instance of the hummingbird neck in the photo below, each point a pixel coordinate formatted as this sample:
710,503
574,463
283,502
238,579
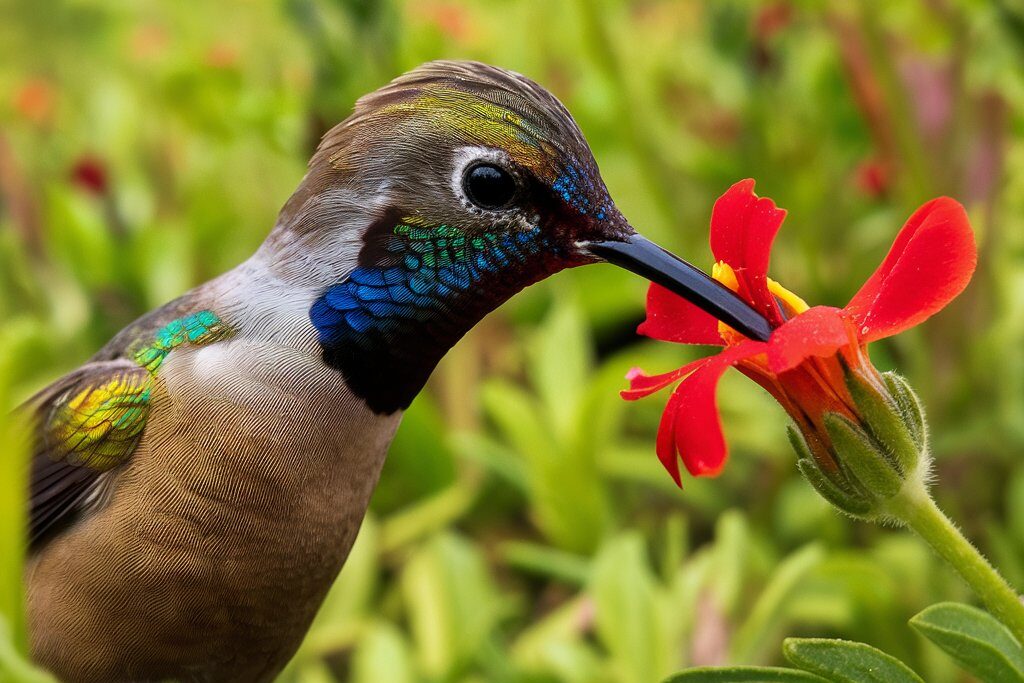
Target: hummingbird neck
413,294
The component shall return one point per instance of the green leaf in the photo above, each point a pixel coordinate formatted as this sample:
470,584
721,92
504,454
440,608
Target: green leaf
520,420
558,643
13,525
843,661
560,362
567,498
315,671
420,460
14,666
496,457
732,559
451,603
1014,501
546,561
974,638
631,619
743,674
761,628
382,655
429,515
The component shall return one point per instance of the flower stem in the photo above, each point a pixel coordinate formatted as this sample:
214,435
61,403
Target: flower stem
915,507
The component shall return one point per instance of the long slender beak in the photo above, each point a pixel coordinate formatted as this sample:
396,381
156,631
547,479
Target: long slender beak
639,255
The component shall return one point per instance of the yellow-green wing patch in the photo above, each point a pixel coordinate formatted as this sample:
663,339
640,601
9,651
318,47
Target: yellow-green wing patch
86,423
100,424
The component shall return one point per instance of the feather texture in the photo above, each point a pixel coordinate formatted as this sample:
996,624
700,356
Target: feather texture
90,421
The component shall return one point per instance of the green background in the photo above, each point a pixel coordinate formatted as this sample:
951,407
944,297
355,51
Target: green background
523,529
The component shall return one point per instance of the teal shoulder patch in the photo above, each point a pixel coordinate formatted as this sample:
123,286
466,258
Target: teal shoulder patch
196,329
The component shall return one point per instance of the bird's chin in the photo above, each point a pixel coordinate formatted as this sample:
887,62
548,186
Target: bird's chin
639,255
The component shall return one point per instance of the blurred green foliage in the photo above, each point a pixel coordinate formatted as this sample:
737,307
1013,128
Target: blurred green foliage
523,529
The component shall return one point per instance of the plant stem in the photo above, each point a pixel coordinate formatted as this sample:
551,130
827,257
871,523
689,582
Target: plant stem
915,507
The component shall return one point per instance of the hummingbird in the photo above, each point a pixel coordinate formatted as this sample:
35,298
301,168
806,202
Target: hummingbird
197,484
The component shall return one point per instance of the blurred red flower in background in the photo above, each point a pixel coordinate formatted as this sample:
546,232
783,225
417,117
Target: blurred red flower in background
36,100
89,173
872,177
805,363
221,56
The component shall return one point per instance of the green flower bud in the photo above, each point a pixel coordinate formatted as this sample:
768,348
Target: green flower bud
861,460
882,417
863,455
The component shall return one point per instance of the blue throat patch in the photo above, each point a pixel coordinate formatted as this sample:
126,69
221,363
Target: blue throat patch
575,189
389,323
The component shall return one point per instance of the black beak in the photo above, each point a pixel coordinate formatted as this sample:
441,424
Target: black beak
645,258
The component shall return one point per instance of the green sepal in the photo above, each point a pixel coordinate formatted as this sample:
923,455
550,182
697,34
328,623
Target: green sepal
910,406
884,419
837,487
864,456
799,444
827,489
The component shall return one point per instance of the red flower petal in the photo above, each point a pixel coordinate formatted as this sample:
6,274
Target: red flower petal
818,331
743,227
691,416
665,446
642,384
929,264
672,318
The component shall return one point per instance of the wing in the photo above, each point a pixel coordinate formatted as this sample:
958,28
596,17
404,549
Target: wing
90,421
85,424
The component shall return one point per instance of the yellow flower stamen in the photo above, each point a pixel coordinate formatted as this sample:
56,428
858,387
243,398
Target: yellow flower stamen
792,304
724,273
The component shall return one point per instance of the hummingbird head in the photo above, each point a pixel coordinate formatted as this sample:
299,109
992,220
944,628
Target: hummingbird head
443,194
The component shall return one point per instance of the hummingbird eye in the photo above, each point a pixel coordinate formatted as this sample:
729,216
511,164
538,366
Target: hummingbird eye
488,186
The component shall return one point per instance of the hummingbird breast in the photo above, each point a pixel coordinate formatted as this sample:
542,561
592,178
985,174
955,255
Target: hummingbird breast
222,535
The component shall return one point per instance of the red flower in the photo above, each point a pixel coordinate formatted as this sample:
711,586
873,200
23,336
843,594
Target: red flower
772,19
36,100
803,363
90,174
872,177
222,56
